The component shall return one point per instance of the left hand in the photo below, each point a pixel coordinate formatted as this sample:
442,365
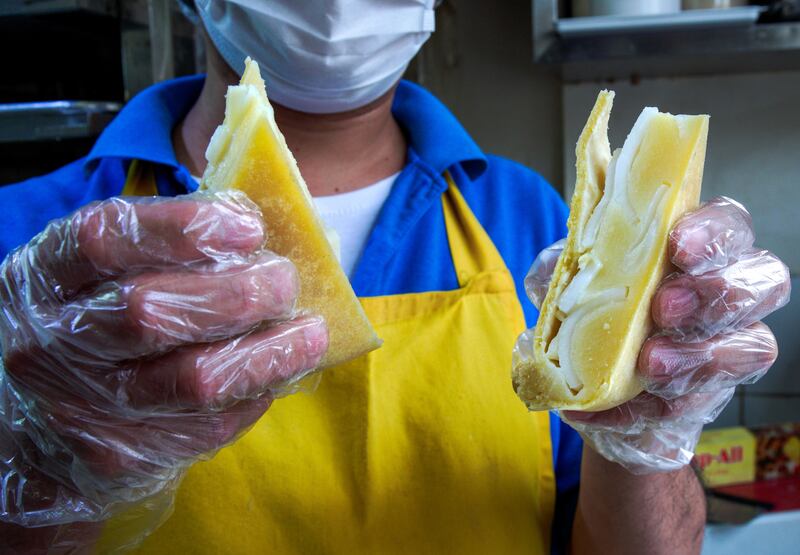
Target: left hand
709,339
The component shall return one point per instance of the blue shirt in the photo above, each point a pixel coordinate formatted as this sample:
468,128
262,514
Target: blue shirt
406,252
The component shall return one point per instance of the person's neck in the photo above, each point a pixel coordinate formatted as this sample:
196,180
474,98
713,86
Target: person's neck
336,153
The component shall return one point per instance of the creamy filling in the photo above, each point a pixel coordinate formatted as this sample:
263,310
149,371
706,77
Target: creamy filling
573,295
578,301
245,104
243,107
636,253
592,228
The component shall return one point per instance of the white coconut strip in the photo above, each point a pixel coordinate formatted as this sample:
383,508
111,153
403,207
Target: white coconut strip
573,295
563,339
637,254
587,239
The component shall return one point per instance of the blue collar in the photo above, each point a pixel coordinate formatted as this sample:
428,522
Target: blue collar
143,129
434,133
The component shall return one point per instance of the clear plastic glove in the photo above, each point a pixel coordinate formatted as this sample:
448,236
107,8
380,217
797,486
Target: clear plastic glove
138,336
708,339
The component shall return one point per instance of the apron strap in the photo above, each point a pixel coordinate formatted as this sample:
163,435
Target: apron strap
141,180
472,250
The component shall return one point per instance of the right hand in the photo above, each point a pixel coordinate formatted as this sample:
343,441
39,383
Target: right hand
689,367
137,336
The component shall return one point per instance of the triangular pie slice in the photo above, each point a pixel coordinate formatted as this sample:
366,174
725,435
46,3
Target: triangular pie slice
596,315
249,153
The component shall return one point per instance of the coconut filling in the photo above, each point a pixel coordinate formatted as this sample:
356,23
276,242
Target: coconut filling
245,101
243,106
577,301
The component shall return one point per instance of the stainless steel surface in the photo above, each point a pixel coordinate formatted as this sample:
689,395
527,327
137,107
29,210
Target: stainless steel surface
749,49
573,27
545,15
35,121
742,49
711,4
585,8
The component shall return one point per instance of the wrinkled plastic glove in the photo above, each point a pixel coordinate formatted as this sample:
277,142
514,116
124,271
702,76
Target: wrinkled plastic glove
137,337
708,339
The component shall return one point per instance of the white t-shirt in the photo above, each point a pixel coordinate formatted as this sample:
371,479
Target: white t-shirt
352,215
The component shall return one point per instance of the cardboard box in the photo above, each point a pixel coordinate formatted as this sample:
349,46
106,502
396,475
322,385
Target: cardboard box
727,456
778,451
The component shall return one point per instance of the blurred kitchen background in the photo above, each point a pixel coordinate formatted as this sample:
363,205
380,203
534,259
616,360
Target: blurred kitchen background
69,65
521,75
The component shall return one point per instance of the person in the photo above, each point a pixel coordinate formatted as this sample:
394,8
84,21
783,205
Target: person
140,335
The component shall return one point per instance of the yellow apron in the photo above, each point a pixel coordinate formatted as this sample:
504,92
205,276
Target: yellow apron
418,447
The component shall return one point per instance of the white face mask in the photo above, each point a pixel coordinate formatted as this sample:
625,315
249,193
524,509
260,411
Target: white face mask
320,56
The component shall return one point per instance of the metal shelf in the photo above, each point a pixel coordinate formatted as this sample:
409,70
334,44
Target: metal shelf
664,52
39,121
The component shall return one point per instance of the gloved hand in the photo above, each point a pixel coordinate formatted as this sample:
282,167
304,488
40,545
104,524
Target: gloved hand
138,336
708,339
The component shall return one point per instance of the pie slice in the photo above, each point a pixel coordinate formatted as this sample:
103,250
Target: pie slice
596,315
248,153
